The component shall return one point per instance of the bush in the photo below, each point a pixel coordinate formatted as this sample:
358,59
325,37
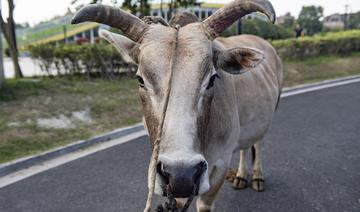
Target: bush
332,43
72,59
102,59
264,29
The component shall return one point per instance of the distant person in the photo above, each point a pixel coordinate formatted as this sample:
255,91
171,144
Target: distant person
298,31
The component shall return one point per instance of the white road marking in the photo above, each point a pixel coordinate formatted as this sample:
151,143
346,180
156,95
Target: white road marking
318,87
28,172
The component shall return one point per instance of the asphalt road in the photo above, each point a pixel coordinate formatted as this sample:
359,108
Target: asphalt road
311,161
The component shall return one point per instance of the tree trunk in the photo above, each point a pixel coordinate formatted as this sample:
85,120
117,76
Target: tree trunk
10,36
2,73
13,51
15,59
2,76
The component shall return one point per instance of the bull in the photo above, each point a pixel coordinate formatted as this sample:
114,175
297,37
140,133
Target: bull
204,97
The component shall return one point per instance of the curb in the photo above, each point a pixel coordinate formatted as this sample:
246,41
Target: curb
299,89
26,162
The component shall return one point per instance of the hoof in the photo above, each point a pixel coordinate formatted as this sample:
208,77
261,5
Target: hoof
231,174
239,183
258,184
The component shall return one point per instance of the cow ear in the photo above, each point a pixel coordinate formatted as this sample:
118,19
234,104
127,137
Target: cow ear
239,60
127,48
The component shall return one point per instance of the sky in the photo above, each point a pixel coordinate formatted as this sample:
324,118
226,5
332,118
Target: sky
34,11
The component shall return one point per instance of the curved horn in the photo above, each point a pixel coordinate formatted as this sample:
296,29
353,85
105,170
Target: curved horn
224,17
129,24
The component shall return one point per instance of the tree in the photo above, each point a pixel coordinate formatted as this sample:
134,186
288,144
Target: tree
288,21
90,1
137,6
79,6
186,3
2,74
8,29
354,22
265,29
173,4
309,19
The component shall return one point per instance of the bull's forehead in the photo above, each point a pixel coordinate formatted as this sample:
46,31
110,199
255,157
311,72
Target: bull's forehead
183,55
193,53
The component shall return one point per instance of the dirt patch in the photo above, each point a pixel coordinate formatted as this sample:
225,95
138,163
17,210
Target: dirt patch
65,122
59,122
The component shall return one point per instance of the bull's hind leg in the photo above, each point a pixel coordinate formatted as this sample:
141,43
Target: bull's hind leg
257,178
240,180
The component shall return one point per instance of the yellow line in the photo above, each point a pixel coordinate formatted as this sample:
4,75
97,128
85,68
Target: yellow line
60,36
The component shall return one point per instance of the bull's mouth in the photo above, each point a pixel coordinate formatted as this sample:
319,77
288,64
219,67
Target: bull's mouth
181,190
172,205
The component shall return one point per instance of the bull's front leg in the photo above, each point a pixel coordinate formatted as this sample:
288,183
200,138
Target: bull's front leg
240,181
257,177
206,202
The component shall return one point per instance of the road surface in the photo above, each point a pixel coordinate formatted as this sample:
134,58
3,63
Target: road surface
311,161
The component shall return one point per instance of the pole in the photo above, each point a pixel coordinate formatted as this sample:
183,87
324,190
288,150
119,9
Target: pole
239,27
2,76
65,33
346,17
161,8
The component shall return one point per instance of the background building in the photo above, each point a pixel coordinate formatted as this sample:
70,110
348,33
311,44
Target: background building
337,21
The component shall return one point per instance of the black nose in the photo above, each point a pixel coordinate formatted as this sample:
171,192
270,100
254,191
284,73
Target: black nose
183,180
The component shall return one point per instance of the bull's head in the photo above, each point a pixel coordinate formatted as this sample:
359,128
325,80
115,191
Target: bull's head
177,70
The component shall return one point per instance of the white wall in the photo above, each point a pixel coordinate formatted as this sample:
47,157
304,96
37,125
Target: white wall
29,67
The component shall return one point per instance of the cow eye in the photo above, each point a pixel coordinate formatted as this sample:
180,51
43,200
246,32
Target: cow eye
141,81
212,80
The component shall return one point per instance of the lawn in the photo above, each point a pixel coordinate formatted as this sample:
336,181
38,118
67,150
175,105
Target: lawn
320,68
43,113
39,114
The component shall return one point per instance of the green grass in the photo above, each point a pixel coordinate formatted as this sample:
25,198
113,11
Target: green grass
20,89
112,104
320,68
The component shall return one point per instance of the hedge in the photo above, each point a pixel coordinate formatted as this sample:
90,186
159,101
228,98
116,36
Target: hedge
102,59
332,43
71,59
265,29
261,28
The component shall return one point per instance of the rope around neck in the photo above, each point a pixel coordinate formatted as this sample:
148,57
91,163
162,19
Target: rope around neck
152,174
155,152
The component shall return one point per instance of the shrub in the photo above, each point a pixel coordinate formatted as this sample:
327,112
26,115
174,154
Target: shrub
102,59
265,29
260,28
332,43
71,59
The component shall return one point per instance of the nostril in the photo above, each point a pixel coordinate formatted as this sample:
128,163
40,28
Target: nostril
161,171
200,169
